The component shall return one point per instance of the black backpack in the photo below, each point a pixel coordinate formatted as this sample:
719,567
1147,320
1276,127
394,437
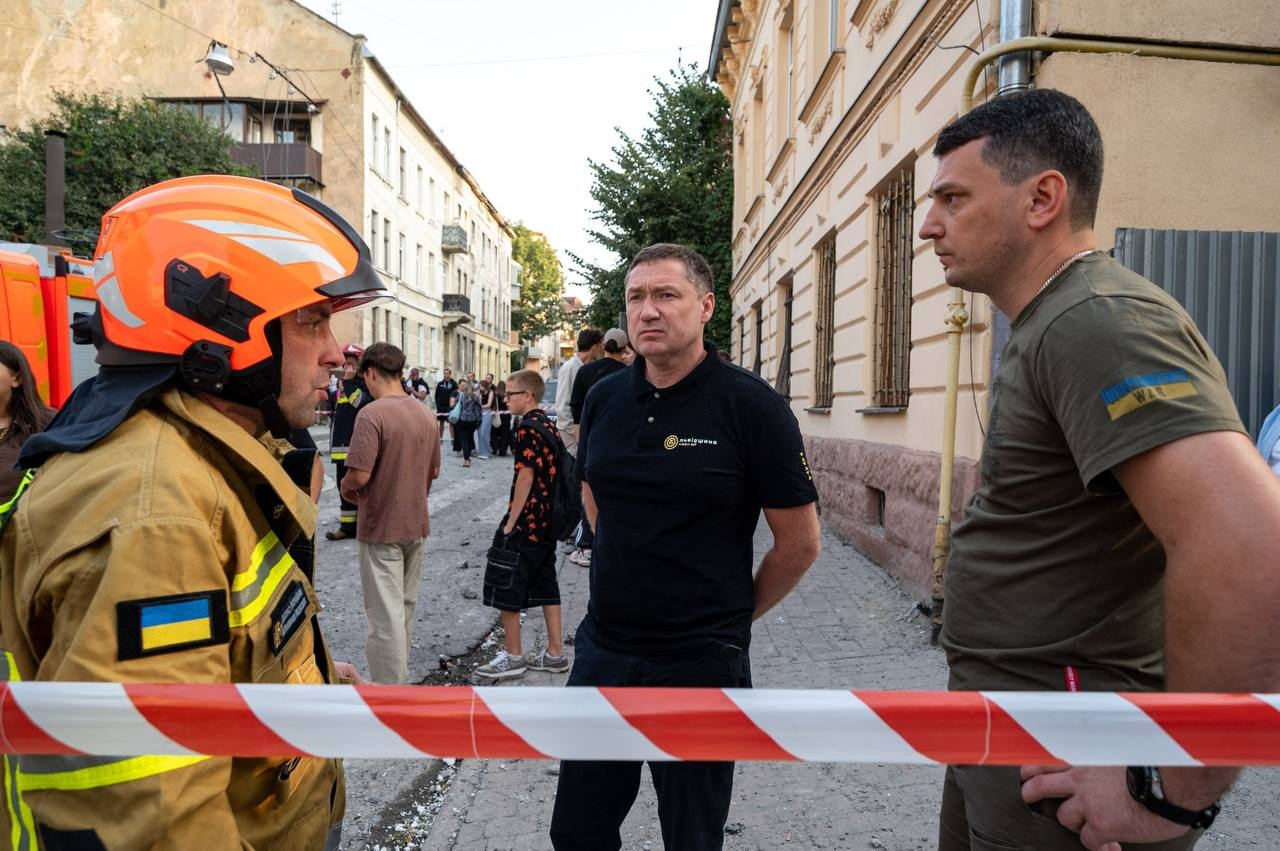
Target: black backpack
566,492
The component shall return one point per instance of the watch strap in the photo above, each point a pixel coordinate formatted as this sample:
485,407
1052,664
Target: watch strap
1144,781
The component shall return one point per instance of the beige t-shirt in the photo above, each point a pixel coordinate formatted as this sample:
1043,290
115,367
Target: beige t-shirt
1054,582
397,441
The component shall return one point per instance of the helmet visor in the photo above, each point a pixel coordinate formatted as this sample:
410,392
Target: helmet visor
362,288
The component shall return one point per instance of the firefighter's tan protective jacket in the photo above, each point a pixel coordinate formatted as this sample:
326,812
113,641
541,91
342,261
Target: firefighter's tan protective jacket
159,555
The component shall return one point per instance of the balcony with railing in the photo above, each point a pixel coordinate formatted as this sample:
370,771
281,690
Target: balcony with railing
283,161
457,309
453,239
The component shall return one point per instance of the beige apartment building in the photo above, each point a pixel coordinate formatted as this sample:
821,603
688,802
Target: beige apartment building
836,105
311,106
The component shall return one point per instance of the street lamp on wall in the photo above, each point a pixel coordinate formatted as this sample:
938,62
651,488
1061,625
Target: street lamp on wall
218,59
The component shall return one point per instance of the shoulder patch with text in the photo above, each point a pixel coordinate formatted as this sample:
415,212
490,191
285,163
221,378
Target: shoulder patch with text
155,625
289,614
1135,391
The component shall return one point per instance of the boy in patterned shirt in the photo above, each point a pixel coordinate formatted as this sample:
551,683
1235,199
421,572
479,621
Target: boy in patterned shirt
526,530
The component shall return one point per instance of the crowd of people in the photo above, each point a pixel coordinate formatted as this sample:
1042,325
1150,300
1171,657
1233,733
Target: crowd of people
1121,539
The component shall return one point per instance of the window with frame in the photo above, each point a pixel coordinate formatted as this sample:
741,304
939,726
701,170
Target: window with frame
373,144
784,88
757,143
417,266
400,258
758,312
891,344
786,300
292,130
824,328
386,152
419,187
404,176
386,243
373,237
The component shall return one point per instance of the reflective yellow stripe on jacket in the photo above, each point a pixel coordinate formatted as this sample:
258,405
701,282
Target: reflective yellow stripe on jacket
31,773
6,510
251,590
22,824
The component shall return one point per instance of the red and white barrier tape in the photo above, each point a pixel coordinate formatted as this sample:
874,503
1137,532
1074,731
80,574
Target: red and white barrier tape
995,728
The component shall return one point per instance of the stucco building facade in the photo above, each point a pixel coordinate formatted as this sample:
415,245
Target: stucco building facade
836,105
310,106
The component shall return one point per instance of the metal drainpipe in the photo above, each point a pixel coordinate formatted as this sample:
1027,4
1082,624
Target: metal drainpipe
55,185
1014,69
957,316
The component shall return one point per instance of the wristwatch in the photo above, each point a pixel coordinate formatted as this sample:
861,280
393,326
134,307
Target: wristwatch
1146,787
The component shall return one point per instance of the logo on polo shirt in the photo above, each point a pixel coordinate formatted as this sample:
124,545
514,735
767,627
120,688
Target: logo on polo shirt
674,442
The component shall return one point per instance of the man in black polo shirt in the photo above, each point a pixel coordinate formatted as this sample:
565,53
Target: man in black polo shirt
678,455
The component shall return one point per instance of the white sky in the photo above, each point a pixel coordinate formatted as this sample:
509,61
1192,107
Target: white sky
525,129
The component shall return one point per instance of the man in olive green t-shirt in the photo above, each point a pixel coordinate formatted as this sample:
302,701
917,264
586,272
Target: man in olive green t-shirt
1124,531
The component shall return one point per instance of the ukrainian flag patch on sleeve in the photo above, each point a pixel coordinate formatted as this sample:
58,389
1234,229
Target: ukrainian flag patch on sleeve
1134,392
158,625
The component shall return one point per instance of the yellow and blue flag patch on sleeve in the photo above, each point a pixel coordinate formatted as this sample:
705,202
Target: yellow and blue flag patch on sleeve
1132,393
156,625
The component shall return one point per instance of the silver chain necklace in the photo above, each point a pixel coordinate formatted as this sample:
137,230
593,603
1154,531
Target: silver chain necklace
1063,268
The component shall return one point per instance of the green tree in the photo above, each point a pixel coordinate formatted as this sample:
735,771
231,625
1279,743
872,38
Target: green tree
672,184
115,146
541,308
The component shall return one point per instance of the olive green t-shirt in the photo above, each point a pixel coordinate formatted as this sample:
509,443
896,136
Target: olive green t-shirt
1054,582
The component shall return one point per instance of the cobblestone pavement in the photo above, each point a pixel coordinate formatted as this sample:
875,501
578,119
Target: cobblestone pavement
846,626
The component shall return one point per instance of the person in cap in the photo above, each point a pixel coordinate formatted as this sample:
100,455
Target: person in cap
149,543
395,456
616,348
352,396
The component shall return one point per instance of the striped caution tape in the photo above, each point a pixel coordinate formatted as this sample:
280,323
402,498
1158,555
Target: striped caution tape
996,728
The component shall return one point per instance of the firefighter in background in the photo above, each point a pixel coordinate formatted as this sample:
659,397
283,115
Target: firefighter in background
352,396
150,543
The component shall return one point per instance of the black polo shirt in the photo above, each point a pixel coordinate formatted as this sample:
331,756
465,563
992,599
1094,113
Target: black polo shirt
679,477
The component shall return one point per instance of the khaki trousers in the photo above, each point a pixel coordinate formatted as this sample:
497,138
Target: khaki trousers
390,576
569,436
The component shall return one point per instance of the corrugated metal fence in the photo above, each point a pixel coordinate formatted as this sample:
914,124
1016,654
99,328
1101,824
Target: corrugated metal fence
1228,281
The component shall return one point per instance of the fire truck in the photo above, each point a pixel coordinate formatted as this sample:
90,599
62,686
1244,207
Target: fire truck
41,290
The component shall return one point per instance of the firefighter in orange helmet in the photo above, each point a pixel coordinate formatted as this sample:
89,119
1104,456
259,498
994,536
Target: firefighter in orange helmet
151,542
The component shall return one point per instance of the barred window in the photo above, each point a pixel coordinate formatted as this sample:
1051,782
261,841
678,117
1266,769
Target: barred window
891,356
783,383
824,332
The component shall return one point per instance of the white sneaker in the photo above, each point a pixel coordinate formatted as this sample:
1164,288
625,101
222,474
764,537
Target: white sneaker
503,667
581,557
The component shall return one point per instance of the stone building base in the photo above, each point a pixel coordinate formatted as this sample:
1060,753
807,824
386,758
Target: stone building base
883,500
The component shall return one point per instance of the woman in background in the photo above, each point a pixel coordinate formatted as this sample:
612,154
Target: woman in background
22,414
501,438
468,420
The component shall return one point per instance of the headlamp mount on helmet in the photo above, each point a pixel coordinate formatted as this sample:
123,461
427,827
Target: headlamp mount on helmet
208,300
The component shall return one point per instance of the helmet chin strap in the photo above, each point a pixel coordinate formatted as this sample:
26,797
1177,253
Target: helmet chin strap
257,387
268,398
